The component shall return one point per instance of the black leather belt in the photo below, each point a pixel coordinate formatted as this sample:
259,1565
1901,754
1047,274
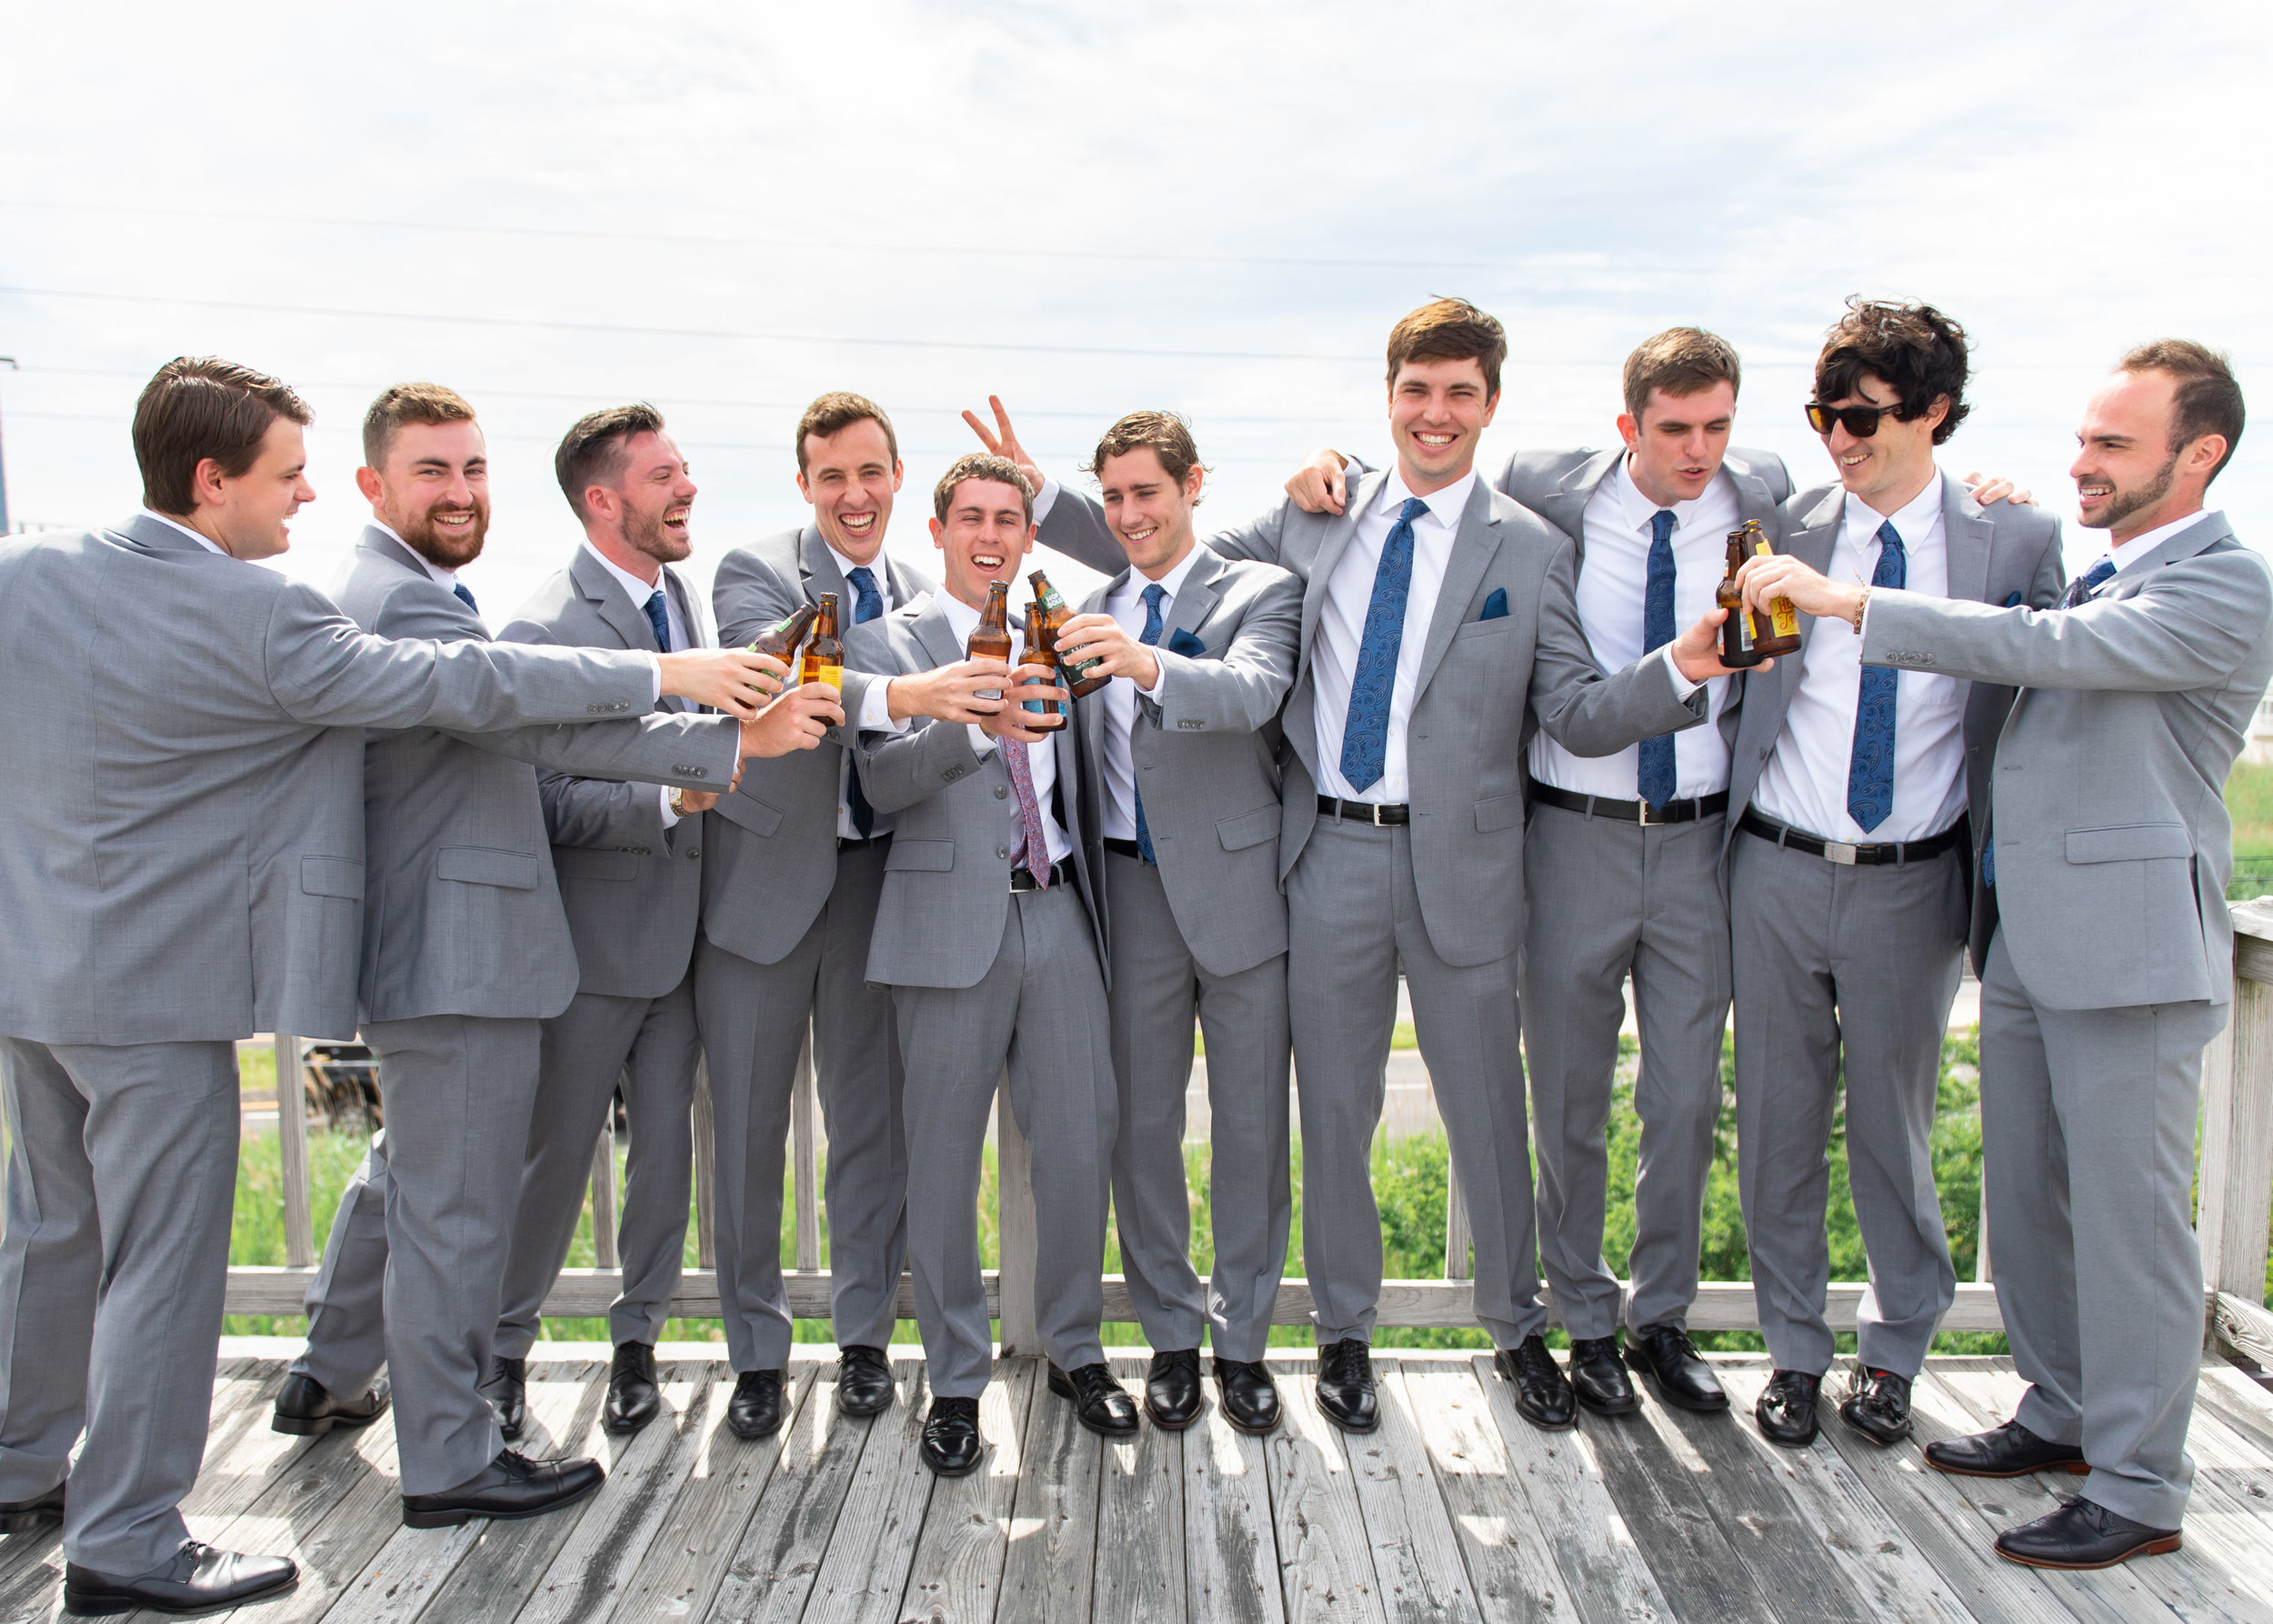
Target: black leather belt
1848,856
846,843
1127,848
1386,817
1640,812
1060,873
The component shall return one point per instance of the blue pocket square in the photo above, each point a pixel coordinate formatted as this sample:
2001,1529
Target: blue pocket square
1496,605
2012,601
1182,642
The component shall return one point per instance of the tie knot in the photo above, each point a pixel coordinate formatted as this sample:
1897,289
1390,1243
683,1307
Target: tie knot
1661,524
2098,573
1153,595
1414,507
655,603
459,591
1889,537
859,579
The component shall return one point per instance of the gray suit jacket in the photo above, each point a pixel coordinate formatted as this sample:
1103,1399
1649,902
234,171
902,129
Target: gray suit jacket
2113,843
773,842
1485,685
183,793
1557,485
631,889
1206,760
462,915
2007,554
946,883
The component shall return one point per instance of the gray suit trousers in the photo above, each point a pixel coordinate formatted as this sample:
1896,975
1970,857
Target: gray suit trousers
1843,970
1157,987
346,1302
1354,917
1608,898
753,1020
650,1046
120,1184
1041,1008
2087,1121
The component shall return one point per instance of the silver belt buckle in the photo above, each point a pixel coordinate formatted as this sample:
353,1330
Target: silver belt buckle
1839,852
1373,815
1642,816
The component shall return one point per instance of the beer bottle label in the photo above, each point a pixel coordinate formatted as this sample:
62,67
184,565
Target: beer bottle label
1780,614
832,675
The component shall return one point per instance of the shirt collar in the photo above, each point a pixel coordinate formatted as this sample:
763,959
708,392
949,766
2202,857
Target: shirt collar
637,590
845,567
1447,505
1911,521
204,542
1640,510
1170,584
2139,546
448,577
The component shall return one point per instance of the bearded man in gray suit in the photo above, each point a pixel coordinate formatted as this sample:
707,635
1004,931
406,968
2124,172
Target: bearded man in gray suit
210,884
467,952
2105,949
790,892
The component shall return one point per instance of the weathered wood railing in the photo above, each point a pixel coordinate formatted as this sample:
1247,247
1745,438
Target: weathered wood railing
2235,1195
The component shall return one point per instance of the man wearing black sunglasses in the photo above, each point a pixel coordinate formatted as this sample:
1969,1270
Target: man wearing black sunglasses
1852,865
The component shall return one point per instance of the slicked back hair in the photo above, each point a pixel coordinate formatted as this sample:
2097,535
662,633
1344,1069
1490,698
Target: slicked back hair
1168,435
2209,399
200,406
979,465
1914,350
1451,330
408,403
592,451
840,409
1680,361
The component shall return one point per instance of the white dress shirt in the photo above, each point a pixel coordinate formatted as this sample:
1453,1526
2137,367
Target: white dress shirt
1341,634
1805,783
1613,588
1127,605
204,542
1041,758
877,703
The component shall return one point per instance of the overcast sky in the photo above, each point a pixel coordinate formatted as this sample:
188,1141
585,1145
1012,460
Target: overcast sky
1090,209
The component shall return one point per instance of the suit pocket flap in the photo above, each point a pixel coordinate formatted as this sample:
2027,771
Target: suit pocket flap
577,862
480,866
936,856
1500,812
752,814
1250,829
331,877
2129,842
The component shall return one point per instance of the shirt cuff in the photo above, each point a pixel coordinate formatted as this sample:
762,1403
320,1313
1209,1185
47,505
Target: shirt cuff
662,794
875,709
1044,499
1682,686
1159,679
654,665
981,741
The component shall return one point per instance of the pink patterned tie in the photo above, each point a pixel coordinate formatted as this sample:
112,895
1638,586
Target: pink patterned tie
1034,847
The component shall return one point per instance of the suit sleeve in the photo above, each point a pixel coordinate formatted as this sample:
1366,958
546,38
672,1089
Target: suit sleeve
898,769
2051,578
747,595
1075,526
1578,707
2191,626
1243,690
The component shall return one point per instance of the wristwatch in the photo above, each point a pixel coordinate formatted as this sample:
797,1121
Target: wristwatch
678,798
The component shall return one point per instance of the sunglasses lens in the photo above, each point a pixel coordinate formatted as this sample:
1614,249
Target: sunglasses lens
1820,418
1862,421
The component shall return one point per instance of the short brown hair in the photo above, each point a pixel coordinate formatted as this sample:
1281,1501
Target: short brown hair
1449,330
200,406
1168,435
2208,397
1914,350
408,403
979,465
839,409
592,451
1681,361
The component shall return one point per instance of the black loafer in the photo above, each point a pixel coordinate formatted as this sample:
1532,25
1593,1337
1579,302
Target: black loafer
306,1409
506,1490
507,1390
1250,1398
2008,1451
1100,1403
199,1579
2082,1535
1543,1394
633,1397
1786,1408
1345,1386
864,1381
952,1446
1669,1361
1598,1380
756,1409
42,1510
1172,1391
1878,1405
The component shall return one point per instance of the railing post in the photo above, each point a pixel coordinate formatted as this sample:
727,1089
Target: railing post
1456,1225
806,1156
1014,1230
705,1145
292,1147
2234,1183
604,1251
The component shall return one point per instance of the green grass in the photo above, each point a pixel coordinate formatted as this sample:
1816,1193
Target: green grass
2249,802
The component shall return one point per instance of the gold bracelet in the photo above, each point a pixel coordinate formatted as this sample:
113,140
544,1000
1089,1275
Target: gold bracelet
1861,605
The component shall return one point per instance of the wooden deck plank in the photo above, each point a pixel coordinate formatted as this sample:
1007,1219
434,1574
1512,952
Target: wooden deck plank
1140,1524
955,1576
781,1548
1509,1575
338,1547
1325,1572
1601,1562
1230,1552
689,1558
2241,1401
1415,1555
1050,1570
864,1573
1702,1571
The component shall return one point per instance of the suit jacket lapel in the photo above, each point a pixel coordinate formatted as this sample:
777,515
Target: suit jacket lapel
906,588
938,639
693,613
1472,547
2195,538
1965,533
1753,500
1197,599
1565,506
606,595
376,540
1339,533
817,564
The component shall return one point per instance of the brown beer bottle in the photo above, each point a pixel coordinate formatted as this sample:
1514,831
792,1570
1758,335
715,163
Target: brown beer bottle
1041,649
1074,678
825,656
990,638
1737,630
1777,631
781,638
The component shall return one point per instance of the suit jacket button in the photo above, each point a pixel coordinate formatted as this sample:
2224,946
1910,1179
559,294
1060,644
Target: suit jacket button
1002,851
694,851
1000,792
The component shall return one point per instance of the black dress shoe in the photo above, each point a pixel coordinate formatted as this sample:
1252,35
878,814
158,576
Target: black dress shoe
1878,1405
756,1409
508,1489
864,1381
1345,1386
952,1446
199,1579
42,1510
2008,1451
2082,1535
1543,1394
1172,1391
508,1391
1250,1398
1666,1356
306,1409
1100,1403
633,1397
1786,1408
1598,1380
